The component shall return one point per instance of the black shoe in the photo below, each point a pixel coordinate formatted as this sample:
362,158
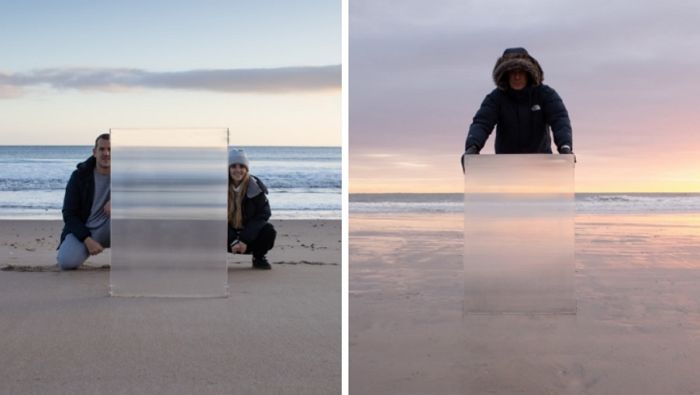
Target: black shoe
261,263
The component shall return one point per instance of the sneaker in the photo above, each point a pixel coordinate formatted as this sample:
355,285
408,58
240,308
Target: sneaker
261,263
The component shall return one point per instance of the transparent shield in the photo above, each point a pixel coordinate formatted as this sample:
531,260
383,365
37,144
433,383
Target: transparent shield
169,199
519,234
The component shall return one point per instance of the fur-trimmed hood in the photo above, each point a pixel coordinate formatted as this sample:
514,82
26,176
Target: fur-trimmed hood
516,59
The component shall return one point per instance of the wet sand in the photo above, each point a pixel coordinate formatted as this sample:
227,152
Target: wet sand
277,333
636,331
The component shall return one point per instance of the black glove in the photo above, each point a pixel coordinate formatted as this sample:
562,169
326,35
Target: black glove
566,150
471,150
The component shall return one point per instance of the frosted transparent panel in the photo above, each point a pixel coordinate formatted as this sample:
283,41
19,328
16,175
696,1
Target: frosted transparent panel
169,195
519,234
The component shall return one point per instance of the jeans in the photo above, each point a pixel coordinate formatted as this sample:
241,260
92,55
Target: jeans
73,253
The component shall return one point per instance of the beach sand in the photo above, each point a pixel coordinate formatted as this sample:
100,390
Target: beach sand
279,331
636,331
31,244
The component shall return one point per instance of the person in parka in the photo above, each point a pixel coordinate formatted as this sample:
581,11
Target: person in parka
522,109
248,212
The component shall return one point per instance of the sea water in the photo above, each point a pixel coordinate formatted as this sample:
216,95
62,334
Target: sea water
304,182
586,203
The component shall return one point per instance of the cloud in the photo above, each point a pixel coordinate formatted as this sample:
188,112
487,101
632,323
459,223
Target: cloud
9,91
271,80
379,156
411,164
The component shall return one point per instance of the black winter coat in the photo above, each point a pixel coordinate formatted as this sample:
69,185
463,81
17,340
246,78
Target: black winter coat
523,119
77,202
256,213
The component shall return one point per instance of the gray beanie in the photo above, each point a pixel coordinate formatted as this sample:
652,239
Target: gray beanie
238,156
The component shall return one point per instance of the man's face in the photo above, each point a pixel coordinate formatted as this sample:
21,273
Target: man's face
517,79
103,154
237,172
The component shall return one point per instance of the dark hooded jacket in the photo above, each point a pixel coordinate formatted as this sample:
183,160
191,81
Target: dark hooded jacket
77,202
522,118
256,213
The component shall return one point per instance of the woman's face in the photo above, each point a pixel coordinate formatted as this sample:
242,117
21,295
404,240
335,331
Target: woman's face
237,173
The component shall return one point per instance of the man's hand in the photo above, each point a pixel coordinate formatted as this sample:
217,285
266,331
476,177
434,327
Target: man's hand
471,150
239,248
108,208
93,246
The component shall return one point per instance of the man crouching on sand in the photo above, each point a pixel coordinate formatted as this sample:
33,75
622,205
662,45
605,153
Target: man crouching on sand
248,212
87,208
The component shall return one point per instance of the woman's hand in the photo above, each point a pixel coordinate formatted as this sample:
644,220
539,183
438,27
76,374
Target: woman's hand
239,248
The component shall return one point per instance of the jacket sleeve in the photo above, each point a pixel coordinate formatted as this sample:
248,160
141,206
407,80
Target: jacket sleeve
557,118
71,209
262,213
232,236
483,122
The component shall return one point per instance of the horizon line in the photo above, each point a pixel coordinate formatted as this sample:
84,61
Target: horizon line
575,193
250,146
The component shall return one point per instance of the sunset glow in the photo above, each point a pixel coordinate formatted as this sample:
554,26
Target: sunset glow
625,70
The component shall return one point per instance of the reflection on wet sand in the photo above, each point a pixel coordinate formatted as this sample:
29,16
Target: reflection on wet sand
651,240
636,330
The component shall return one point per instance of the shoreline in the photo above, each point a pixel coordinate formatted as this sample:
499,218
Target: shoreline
28,244
280,215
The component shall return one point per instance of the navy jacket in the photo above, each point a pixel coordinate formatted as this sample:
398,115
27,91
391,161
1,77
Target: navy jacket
256,213
77,202
522,119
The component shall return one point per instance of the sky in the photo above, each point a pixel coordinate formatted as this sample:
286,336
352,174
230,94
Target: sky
626,70
268,70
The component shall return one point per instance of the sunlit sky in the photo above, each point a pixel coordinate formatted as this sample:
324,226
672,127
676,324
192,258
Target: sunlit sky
626,70
267,70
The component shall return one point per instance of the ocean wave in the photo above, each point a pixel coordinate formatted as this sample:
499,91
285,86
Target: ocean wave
585,203
16,185
42,161
49,206
334,190
317,185
640,203
406,207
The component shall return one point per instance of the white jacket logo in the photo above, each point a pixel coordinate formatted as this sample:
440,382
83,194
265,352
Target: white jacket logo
536,107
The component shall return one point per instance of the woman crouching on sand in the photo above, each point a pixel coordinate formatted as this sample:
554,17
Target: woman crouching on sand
248,212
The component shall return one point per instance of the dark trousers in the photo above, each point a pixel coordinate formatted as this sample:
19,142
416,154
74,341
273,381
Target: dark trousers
261,245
